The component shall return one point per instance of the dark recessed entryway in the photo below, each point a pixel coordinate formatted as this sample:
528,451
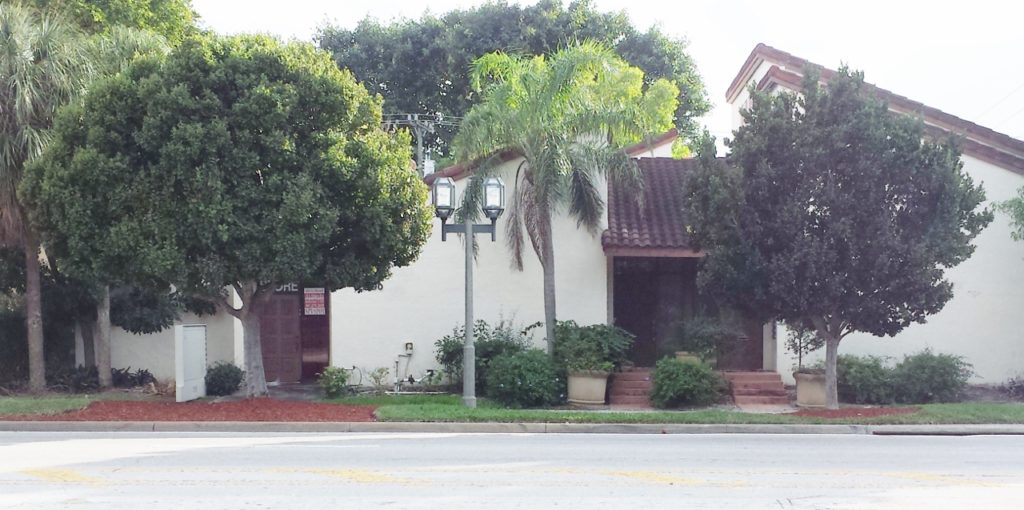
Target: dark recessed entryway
295,333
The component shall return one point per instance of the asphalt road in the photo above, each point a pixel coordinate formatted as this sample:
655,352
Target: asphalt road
209,471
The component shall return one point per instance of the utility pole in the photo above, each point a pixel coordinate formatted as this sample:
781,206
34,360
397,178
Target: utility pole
421,126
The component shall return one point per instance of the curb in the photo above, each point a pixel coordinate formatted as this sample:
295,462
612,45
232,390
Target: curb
505,428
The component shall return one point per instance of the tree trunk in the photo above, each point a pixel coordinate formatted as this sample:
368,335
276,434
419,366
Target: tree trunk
87,326
34,316
255,377
101,337
831,379
548,264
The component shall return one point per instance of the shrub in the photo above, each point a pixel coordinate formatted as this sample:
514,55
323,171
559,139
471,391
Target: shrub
334,381
489,342
1014,387
679,383
594,347
125,378
79,379
706,336
864,380
928,377
223,379
525,379
379,378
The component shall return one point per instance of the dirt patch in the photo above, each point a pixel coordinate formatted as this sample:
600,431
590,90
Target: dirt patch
259,409
856,412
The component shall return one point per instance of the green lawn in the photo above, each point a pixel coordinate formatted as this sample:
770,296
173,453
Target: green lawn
41,405
58,403
449,409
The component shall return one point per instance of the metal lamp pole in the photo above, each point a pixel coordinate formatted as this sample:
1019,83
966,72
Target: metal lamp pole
442,195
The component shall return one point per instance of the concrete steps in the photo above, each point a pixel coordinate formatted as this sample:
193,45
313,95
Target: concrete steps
757,388
631,388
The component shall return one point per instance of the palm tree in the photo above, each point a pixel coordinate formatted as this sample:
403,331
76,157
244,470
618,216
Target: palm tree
568,116
42,66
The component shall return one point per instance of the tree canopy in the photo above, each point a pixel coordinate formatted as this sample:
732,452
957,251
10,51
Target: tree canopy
569,116
236,162
171,19
420,66
834,214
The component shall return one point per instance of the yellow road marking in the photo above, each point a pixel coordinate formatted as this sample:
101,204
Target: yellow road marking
62,476
943,479
662,478
355,475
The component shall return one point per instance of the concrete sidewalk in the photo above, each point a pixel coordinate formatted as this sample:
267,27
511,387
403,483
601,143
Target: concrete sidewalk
505,428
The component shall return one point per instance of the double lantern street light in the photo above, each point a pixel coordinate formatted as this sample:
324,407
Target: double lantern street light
443,198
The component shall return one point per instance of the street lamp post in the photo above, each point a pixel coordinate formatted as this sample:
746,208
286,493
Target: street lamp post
443,198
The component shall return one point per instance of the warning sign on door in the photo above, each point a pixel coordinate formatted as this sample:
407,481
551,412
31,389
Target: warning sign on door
313,297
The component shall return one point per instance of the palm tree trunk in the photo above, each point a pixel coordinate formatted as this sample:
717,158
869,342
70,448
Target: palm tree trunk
34,316
548,264
101,336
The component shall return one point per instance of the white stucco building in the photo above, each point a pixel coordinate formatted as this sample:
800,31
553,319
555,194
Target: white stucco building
636,272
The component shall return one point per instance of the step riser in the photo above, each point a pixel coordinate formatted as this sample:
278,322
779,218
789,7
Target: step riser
761,400
755,378
631,377
630,392
765,393
631,384
630,401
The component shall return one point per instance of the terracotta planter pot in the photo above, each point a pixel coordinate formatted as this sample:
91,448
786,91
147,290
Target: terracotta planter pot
688,357
810,389
587,387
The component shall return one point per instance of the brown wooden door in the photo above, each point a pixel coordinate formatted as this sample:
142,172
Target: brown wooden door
280,336
316,331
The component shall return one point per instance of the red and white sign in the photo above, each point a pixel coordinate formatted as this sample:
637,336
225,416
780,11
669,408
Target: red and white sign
313,299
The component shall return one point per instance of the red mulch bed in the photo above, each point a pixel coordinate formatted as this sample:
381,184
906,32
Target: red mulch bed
259,409
856,412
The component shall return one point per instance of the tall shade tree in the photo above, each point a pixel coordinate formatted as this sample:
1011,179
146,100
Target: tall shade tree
43,65
235,163
419,66
569,116
173,20
833,214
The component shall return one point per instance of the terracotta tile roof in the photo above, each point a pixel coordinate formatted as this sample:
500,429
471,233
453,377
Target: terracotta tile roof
658,227
975,140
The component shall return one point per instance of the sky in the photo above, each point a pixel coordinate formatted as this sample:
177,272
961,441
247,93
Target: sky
965,58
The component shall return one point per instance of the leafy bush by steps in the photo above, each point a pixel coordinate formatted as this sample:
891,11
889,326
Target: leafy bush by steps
677,383
927,377
864,380
525,379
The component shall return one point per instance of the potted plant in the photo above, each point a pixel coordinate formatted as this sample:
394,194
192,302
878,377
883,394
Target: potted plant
589,355
810,381
699,339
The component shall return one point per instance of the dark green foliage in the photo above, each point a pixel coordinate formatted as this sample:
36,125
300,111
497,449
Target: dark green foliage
524,379
926,377
865,380
677,383
172,19
489,342
593,347
125,378
223,379
235,162
833,213
334,382
441,48
78,379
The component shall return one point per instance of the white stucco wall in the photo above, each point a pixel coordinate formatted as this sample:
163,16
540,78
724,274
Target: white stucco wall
424,301
155,352
980,323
